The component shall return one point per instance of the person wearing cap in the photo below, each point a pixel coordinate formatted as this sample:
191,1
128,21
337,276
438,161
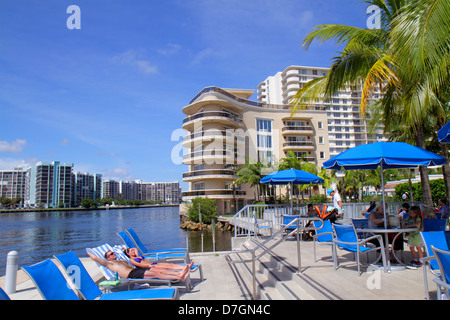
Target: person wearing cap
337,202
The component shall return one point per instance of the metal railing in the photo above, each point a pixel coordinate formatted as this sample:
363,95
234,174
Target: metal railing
299,225
244,222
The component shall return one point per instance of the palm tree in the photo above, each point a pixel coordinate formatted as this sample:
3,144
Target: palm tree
381,59
251,173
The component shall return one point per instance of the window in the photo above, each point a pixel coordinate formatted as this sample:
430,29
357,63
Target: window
322,155
320,139
320,125
264,141
263,125
199,186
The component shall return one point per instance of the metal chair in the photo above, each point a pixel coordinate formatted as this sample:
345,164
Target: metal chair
345,238
443,281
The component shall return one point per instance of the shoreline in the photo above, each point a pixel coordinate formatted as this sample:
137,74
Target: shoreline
85,209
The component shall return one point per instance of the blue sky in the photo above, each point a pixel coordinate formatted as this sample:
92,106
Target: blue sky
108,97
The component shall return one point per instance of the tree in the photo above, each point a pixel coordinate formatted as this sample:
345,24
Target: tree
89,203
208,210
251,173
407,59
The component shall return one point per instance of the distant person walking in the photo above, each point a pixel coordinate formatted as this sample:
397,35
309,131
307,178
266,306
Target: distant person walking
337,202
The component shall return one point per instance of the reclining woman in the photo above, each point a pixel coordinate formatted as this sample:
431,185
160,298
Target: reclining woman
125,270
141,262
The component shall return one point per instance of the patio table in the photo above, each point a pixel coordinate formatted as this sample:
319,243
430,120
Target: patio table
384,231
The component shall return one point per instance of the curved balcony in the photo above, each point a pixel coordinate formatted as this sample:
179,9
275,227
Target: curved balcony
210,174
212,116
212,135
215,193
297,130
299,145
217,156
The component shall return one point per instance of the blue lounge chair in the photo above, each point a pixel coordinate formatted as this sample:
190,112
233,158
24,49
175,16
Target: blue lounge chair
438,239
110,276
3,295
434,224
345,238
261,225
50,282
52,285
443,260
88,290
132,241
324,234
288,219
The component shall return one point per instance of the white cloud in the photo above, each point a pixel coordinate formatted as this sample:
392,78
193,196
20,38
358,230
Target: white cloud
204,54
171,49
64,142
10,163
120,174
12,147
131,58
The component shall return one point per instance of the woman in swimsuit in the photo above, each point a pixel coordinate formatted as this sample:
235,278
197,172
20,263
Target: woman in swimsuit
141,262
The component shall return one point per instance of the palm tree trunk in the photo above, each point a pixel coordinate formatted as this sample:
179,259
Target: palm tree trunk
427,200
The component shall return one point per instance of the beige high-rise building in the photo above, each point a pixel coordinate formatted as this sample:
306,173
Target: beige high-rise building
224,128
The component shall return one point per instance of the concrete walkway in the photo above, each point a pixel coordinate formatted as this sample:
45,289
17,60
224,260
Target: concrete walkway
277,278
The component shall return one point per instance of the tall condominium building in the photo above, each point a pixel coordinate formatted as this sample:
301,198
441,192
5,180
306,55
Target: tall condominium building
224,128
346,127
110,189
50,184
130,190
166,192
12,183
86,186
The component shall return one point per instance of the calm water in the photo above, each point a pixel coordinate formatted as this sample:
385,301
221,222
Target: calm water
39,235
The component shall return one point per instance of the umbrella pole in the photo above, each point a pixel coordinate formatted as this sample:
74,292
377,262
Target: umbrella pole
382,190
386,239
292,195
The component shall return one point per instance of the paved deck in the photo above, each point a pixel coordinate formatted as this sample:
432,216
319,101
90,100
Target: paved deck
277,272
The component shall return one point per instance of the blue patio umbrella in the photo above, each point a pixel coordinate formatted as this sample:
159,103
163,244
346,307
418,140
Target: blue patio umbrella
444,133
386,155
291,177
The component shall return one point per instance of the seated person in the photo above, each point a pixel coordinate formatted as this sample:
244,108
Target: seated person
377,216
376,220
125,270
371,207
404,211
141,262
443,208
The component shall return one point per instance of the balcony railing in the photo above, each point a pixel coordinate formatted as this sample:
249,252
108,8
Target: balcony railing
247,102
298,144
214,192
210,153
209,172
218,114
214,133
297,128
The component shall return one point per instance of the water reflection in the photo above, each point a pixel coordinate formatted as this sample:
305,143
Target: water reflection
39,235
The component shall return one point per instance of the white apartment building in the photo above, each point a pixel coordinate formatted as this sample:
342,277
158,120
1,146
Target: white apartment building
346,127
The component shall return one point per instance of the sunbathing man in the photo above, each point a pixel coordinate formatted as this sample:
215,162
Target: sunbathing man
141,262
125,270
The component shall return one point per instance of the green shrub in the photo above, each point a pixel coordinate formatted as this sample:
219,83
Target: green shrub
437,190
207,207
318,198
